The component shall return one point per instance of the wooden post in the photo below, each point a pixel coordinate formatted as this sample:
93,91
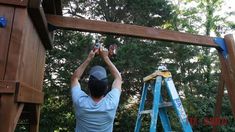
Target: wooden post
229,83
219,99
229,40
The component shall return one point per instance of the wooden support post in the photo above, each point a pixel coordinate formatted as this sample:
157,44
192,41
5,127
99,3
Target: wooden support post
229,40
219,99
39,19
17,117
34,121
229,81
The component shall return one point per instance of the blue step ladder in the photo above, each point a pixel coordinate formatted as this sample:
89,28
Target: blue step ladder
154,81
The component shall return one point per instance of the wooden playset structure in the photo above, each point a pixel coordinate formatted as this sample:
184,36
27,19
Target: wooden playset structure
24,39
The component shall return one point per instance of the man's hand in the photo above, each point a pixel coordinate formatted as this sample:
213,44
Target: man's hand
117,83
104,52
92,54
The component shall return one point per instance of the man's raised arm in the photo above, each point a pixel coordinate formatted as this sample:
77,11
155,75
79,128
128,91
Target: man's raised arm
117,83
79,71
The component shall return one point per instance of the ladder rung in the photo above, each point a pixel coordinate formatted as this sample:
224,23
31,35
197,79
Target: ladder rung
162,105
146,112
165,104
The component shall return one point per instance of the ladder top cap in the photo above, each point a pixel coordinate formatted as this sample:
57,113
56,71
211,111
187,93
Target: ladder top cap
157,73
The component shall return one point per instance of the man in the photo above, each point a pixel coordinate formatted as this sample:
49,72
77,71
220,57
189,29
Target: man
96,112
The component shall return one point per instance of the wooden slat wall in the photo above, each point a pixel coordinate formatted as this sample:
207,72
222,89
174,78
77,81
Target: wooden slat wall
39,73
15,47
22,58
7,12
8,109
28,65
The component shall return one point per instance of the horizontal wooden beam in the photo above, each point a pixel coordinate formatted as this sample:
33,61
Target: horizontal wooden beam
129,30
39,20
27,94
23,3
7,87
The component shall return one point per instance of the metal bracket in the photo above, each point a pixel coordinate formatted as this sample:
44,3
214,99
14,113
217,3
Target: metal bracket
223,48
3,22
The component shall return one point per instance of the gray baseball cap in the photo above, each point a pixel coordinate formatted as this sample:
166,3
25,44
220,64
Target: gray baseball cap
98,72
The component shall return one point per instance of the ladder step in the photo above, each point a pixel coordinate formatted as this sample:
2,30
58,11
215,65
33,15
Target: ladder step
162,105
165,104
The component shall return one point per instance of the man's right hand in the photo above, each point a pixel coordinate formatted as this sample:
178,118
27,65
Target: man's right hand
104,53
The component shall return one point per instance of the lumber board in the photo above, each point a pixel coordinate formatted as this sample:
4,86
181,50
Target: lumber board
129,30
17,116
229,40
9,108
41,59
5,33
229,83
15,47
39,20
8,111
28,65
22,3
7,87
28,94
34,121
219,99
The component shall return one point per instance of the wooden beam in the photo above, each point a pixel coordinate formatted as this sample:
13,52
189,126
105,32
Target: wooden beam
39,20
23,3
229,83
129,30
17,116
219,99
7,87
229,40
27,94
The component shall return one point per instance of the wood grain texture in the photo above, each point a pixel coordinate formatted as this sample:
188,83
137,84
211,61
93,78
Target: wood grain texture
129,30
23,3
219,99
24,62
5,33
27,94
39,20
39,73
8,108
15,47
229,83
229,40
7,87
28,65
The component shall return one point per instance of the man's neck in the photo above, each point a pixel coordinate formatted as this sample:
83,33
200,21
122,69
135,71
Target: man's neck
97,99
